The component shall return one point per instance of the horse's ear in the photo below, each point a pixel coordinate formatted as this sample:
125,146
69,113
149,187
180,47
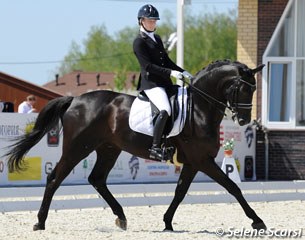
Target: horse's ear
258,69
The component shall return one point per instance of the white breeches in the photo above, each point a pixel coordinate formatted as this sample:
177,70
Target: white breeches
159,97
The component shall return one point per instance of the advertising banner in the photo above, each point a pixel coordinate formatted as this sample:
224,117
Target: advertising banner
44,156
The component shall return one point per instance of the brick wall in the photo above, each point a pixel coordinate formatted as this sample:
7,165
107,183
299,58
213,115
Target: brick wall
269,14
247,37
260,155
286,155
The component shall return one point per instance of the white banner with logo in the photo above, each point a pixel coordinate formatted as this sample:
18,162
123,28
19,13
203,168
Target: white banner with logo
43,157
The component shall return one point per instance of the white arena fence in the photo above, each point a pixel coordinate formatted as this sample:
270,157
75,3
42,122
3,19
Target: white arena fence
85,196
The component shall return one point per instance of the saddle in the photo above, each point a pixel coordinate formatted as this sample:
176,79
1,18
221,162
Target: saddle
143,113
172,94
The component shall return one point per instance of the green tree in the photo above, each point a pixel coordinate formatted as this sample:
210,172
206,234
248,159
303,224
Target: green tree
209,37
123,54
120,78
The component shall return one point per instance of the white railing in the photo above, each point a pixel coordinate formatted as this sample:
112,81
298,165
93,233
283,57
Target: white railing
85,196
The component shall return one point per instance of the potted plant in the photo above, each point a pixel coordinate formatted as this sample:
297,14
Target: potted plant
228,146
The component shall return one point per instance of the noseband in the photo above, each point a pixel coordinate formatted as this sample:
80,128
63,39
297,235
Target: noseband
233,90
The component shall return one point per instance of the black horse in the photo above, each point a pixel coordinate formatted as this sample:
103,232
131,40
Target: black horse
98,121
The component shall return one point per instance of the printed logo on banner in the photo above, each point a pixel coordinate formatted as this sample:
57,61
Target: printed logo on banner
249,135
233,131
134,166
87,165
32,172
29,127
157,169
9,130
53,136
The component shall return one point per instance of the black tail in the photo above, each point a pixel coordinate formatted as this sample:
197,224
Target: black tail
46,120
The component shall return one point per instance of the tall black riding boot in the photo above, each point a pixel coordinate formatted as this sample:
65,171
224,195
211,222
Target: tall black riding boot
156,152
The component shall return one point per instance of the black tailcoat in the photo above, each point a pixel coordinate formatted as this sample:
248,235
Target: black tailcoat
155,64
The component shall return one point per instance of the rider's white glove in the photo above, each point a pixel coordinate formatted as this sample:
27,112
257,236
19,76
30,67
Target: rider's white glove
176,74
186,74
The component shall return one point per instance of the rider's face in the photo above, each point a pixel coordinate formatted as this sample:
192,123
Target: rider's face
149,24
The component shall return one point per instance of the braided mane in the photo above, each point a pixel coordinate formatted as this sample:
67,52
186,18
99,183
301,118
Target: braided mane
219,63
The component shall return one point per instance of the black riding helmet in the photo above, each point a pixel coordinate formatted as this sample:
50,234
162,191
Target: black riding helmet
148,11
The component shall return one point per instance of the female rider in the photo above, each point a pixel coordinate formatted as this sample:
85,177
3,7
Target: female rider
156,70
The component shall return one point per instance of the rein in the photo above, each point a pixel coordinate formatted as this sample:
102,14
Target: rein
204,95
235,104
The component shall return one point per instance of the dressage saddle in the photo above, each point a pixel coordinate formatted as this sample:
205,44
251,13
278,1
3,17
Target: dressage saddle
172,94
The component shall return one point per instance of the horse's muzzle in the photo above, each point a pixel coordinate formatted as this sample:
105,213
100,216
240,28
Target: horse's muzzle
241,121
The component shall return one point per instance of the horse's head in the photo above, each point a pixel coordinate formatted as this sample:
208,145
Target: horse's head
239,92
227,84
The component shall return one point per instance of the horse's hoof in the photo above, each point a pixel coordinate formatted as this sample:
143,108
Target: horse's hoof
121,223
259,226
168,227
38,226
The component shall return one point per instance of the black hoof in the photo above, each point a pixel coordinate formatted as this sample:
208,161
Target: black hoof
121,223
259,226
168,227
38,226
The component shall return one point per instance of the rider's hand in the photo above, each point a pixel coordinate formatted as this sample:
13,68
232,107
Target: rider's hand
176,74
186,74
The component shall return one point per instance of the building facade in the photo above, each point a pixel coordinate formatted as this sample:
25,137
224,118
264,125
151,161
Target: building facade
78,82
15,91
277,27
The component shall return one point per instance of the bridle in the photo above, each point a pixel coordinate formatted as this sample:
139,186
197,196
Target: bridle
233,90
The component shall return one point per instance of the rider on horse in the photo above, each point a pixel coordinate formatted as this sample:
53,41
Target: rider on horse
156,70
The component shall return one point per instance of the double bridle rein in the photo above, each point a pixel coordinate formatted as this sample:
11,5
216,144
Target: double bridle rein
233,90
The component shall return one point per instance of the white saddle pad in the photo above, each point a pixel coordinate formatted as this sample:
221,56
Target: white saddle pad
140,119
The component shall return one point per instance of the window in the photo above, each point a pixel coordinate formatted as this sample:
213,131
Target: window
279,92
301,29
283,88
300,92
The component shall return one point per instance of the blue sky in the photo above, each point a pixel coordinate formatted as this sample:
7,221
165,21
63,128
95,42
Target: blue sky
42,30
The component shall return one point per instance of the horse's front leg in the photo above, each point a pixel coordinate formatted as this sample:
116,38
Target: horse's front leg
186,177
213,171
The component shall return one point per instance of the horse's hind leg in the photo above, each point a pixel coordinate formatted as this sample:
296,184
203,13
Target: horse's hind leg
59,173
186,177
213,171
106,158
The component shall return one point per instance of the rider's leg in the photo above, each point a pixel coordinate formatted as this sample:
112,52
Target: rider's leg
156,152
159,98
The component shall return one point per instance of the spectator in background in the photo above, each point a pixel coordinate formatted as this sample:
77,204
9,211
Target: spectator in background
28,105
6,106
